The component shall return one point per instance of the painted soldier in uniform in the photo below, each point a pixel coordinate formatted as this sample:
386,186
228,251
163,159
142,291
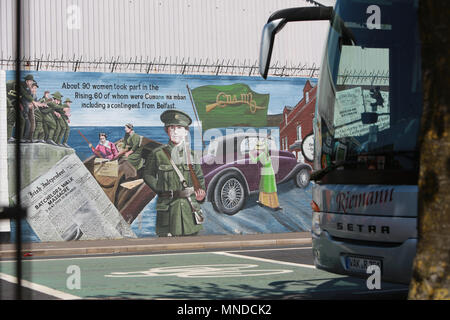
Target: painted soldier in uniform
46,97
26,111
37,133
50,118
45,100
11,98
177,202
26,99
63,123
60,122
66,116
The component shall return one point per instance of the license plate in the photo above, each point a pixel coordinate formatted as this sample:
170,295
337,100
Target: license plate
360,264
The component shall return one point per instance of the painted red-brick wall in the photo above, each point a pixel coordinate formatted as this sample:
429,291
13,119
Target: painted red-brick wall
300,115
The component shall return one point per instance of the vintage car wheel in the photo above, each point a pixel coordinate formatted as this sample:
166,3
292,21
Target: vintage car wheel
301,178
229,194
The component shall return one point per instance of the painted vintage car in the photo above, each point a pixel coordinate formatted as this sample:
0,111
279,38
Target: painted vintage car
231,176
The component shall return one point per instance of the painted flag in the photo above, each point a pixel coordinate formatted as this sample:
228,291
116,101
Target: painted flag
233,105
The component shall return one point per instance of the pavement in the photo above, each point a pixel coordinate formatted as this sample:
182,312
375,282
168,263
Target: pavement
154,244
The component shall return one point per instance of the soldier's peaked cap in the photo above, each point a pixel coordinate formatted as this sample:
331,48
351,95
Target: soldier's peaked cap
175,118
57,95
29,77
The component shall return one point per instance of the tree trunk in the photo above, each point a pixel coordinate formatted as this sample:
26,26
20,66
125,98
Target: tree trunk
431,274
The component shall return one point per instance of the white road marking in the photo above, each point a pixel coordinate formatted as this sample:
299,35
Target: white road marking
39,287
66,296
202,271
261,250
264,260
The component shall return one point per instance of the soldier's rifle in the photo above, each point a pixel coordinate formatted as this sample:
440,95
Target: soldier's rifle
195,113
195,181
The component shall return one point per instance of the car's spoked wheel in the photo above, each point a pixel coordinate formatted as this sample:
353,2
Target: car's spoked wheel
302,178
231,193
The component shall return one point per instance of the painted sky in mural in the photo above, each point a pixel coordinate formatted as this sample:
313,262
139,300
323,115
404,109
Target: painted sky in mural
141,98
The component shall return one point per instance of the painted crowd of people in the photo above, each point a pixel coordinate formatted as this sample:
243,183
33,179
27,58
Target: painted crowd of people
44,120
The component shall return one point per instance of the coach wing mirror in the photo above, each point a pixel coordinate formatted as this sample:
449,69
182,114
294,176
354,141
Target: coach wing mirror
267,40
278,20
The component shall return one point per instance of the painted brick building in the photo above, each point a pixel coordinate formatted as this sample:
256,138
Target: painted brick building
297,122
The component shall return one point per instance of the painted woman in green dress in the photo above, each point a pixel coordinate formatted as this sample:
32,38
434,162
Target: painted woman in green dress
267,186
132,147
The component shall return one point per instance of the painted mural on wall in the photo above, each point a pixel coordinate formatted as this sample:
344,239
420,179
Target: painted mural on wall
136,155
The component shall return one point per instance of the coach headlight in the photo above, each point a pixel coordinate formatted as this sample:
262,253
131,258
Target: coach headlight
315,225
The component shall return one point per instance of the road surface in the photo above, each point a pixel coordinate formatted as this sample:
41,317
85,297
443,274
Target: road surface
261,273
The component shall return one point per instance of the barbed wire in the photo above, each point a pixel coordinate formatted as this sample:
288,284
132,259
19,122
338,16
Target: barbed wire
161,65
185,66
363,77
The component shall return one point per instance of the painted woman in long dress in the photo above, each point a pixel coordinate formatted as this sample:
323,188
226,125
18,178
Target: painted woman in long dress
267,186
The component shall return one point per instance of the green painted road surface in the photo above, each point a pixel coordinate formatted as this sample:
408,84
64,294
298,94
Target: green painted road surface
207,275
